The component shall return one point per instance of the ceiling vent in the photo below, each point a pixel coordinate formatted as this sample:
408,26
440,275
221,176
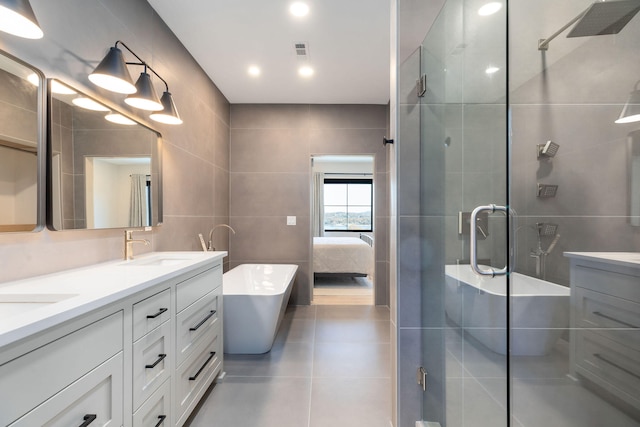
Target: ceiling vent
302,49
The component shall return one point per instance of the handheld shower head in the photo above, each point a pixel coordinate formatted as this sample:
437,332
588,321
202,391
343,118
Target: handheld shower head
547,150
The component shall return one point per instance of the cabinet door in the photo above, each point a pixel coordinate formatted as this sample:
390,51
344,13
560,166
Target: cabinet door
194,322
156,411
196,287
95,400
150,313
151,356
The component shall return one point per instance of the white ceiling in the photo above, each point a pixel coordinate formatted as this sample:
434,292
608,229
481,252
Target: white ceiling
348,48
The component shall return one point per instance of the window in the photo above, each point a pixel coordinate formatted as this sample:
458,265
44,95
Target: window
347,205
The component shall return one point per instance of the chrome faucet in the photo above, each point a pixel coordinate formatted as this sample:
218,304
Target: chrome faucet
128,244
210,247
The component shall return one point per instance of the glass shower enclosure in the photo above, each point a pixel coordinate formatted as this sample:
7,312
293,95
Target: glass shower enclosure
517,120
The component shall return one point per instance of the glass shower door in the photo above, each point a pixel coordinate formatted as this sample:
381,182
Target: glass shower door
463,154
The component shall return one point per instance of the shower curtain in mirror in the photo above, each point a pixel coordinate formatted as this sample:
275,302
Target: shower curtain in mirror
138,205
317,207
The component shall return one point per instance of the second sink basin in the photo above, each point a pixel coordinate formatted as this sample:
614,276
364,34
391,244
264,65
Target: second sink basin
14,304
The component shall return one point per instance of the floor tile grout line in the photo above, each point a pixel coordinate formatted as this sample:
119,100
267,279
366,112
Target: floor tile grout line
313,350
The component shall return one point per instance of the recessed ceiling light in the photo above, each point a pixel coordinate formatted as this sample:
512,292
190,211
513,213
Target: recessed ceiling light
491,70
490,8
254,71
299,9
305,71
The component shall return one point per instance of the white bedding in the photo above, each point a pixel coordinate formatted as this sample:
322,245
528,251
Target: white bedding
342,255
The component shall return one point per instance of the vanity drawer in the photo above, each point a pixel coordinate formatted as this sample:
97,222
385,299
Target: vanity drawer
613,317
193,289
97,394
150,313
610,364
61,362
195,321
621,285
151,356
196,374
156,411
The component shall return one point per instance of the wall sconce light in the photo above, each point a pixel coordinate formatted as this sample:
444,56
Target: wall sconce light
631,110
112,74
17,18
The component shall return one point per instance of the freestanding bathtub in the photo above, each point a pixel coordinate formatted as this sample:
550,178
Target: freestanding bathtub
255,297
539,310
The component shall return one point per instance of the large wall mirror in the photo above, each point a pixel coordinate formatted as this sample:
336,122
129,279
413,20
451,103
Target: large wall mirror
105,168
21,149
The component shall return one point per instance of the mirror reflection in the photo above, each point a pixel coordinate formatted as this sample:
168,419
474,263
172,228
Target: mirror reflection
105,167
19,125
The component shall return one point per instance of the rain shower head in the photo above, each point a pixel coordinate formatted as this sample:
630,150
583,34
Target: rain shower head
605,18
598,19
546,229
547,190
548,150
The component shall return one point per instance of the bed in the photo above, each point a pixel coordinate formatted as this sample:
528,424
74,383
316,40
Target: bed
344,255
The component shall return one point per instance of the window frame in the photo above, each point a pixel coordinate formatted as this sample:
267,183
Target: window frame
366,180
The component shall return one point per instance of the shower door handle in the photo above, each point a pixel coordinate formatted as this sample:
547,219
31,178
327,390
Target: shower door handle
473,241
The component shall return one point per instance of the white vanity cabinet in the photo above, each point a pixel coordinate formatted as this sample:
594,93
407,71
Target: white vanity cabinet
139,355
67,379
605,322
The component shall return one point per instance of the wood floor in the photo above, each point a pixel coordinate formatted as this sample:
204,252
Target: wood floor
342,290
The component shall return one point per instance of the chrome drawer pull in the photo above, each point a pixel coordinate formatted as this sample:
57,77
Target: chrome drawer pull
615,365
628,325
160,359
162,418
203,321
88,419
153,316
193,378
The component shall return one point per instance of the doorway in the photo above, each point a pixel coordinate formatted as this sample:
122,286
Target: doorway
342,229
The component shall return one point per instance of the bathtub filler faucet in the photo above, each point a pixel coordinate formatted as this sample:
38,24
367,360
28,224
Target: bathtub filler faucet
540,256
128,244
210,247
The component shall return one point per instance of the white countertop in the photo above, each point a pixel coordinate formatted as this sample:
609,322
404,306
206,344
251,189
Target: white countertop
82,290
627,259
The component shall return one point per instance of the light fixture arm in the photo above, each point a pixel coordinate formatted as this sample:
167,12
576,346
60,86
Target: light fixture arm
142,62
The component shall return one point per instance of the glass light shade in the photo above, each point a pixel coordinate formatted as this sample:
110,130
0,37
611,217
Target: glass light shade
17,18
145,97
112,73
169,114
631,111
88,104
119,119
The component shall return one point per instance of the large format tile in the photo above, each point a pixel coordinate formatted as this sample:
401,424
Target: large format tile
350,402
361,312
264,402
351,360
286,359
350,330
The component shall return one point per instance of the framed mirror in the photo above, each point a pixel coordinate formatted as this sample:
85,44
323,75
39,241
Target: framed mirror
22,157
104,167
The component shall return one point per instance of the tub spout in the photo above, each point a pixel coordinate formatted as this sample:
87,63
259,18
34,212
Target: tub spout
210,247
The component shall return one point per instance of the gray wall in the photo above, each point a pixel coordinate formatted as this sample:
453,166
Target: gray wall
78,33
271,147
572,95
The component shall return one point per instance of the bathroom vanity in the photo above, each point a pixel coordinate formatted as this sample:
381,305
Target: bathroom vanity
605,322
124,343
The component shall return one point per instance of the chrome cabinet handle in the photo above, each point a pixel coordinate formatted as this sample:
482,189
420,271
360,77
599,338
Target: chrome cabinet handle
88,419
473,241
153,316
202,322
193,378
154,364
161,420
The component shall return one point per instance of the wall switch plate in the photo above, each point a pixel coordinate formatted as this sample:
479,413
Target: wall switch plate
291,220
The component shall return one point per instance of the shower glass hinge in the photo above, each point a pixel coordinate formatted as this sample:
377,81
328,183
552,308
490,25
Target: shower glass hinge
422,378
421,85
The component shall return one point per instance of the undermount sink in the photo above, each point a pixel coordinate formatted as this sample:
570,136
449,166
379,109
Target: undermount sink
161,260
14,304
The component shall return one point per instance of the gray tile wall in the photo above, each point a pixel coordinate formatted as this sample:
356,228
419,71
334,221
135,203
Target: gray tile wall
271,147
78,33
573,101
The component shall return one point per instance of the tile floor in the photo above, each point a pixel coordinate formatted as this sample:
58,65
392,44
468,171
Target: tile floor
329,366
